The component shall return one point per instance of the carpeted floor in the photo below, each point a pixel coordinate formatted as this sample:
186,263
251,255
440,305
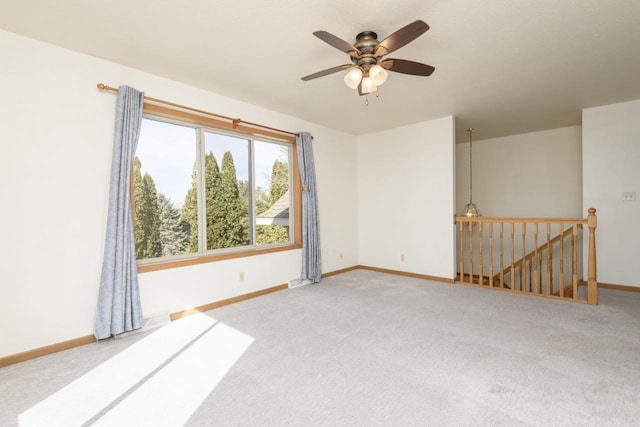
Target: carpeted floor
358,349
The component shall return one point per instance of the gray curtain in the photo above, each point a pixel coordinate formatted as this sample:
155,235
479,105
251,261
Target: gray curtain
311,262
119,308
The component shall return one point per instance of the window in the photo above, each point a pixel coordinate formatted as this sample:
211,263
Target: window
202,192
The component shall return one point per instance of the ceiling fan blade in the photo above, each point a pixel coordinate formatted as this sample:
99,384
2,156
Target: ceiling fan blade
407,67
337,42
327,72
401,37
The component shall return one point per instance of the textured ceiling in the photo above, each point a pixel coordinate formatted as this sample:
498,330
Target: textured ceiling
503,67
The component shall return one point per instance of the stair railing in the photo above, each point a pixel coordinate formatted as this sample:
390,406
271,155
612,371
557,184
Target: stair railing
543,268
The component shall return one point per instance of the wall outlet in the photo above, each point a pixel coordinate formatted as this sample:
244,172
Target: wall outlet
401,257
242,276
629,196
340,255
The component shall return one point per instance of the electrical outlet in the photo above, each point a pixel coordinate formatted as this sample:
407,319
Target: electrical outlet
401,257
340,255
242,276
629,196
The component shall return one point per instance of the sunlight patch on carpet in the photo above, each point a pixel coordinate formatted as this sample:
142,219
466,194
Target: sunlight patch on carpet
161,379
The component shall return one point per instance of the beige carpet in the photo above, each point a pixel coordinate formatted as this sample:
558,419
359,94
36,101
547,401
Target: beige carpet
361,348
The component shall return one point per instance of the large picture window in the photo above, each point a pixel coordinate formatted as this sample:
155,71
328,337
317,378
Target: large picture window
200,191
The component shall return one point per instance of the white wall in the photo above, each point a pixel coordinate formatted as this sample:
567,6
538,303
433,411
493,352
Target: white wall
536,174
56,135
406,198
611,166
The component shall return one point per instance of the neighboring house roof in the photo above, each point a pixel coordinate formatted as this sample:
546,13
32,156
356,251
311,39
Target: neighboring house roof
277,214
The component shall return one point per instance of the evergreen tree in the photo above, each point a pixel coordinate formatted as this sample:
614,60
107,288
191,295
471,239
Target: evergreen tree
189,213
243,190
216,229
279,181
152,247
174,235
147,217
230,203
262,200
138,229
266,234
243,194
227,218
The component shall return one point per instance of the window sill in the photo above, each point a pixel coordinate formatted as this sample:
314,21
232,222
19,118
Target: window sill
203,259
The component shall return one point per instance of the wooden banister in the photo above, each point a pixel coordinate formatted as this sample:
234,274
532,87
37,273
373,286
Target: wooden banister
531,220
592,285
543,247
529,274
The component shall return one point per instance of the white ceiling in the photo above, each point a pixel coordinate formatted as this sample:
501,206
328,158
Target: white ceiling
503,67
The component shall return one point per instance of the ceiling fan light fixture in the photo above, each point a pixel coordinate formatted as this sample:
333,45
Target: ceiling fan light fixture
368,69
367,85
378,75
353,77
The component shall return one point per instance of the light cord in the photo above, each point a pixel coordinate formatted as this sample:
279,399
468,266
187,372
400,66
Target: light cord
470,130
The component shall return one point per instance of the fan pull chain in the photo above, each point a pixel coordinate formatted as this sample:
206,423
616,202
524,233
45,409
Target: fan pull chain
366,101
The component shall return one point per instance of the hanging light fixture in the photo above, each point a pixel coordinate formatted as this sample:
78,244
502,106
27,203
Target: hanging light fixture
471,210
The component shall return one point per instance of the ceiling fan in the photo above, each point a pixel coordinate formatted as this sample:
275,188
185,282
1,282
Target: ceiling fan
369,67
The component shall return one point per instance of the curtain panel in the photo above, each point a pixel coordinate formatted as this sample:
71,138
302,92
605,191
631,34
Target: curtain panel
119,308
311,259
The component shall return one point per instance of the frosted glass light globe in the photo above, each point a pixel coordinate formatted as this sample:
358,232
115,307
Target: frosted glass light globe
367,85
352,78
378,75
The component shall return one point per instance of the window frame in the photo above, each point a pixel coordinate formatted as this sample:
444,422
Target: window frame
234,128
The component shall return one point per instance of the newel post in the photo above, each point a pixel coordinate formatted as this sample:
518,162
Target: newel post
592,284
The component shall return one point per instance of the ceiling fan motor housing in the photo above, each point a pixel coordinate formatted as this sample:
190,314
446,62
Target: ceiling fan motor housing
366,43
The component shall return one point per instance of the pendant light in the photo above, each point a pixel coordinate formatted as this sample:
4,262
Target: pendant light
471,210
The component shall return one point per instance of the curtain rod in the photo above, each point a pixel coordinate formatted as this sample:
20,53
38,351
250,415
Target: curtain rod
234,121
